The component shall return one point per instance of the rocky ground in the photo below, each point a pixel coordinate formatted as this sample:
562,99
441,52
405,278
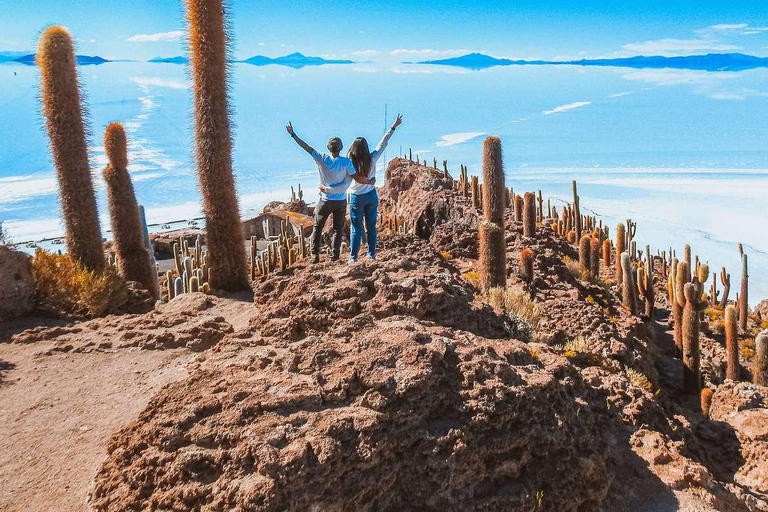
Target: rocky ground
387,385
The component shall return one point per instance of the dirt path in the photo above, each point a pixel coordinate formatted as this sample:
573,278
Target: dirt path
58,411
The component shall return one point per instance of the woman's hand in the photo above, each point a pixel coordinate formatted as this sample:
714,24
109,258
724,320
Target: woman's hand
398,121
289,128
322,188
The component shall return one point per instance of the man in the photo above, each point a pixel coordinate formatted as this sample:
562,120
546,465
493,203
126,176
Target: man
333,170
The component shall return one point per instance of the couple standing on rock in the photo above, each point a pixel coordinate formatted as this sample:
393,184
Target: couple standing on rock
337,173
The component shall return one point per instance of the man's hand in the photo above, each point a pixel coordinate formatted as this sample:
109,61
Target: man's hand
289,128
398,121
322,188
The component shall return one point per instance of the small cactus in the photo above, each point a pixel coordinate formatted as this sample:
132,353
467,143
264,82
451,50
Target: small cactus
475,187
731,344
620,248
134,260
526,265
760,364
628,298
607,253
518,209
585,251
529,214
169,284
194,285
178,286
645,286
571,237
594,258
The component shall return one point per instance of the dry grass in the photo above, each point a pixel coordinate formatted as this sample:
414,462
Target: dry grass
64,287
473,278
639,380
574,268
518,303
747,348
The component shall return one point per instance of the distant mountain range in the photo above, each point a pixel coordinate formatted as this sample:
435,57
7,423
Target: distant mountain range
709,62
83,60
294,60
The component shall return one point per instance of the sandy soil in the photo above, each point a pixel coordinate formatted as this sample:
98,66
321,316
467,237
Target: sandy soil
57,412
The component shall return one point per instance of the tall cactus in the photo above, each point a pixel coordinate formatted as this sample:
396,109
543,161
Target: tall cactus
585,253
731,344
620,249
744,294
529,214
676,283
594,258
127,227
60,93
493,255
208,42
493,246
607,253
725,279
689,296
494,200
760,365
576,212
628,297
526,265
645,283
519,208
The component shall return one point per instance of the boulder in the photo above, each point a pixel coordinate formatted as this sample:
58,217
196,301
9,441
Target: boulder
16,285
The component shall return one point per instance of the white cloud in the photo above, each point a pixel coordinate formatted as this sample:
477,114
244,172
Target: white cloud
156,38
159,82
729,26
365,54
262,44
428,53
619,94
566,108
672,47
452,139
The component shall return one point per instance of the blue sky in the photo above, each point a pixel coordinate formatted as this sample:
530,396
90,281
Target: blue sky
412,29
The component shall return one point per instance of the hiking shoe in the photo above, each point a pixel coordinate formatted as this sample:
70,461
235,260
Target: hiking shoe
335,258
315,258
350,261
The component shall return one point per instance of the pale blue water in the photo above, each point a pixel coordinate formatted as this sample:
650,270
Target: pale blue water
684,153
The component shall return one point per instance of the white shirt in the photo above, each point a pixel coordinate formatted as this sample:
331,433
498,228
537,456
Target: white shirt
360,189
334,171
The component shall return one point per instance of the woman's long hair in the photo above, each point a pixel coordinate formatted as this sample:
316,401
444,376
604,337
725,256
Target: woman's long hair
360,156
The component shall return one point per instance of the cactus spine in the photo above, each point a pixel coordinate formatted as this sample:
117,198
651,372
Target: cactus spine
760,365
744,294
213,143
63,111
628,285
529,214
731,344
134,263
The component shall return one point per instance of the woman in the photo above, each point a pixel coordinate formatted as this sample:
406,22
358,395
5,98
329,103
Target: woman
364,201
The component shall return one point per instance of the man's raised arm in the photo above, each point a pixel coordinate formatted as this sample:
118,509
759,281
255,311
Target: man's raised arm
306,147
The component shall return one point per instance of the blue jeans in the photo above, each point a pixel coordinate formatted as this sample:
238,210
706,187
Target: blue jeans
363,207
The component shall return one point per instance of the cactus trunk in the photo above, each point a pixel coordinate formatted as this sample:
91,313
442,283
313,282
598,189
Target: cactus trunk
213,143
760,365
628,297
529,214
494,190
731,344
691,355
493,261
744,294
63,112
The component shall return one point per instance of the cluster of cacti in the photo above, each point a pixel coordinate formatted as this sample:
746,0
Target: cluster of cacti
64,112
628,295
492,241
688,293
295,197
630,235
462,185
193,269
134,261
394,224
208,43
280,254
645,283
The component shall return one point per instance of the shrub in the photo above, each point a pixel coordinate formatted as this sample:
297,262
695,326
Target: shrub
4,238
473,278
446,255
518,303
65,287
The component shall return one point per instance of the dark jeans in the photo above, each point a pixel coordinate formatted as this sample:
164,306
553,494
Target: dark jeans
363,208
324,209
